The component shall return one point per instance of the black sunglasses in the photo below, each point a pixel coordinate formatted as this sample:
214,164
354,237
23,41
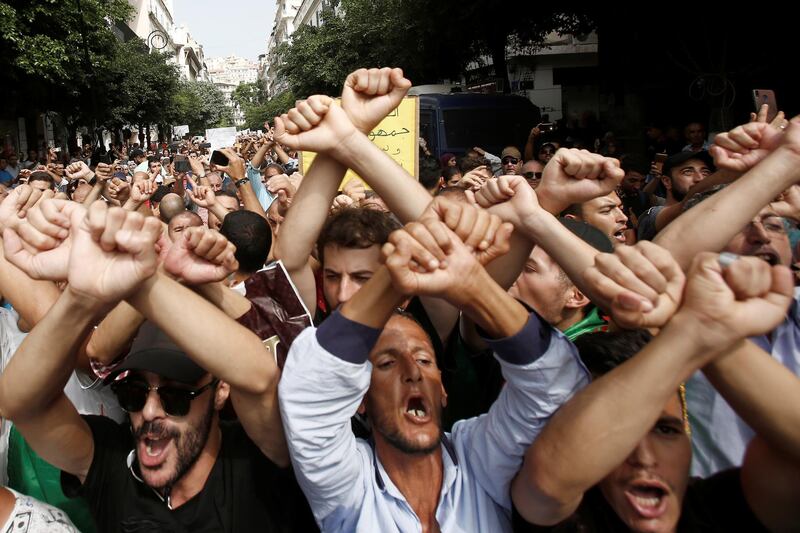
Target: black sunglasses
176,401
532,175
512,160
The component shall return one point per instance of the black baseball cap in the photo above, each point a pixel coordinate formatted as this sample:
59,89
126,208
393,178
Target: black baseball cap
137,152
682,157
153,351
588,234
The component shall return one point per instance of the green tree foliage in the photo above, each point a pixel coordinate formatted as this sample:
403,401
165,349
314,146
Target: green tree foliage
255,116
51,51
201,105
430,39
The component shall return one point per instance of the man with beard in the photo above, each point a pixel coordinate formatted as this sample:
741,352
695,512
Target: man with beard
177,467
744,218
604,213
680,172
616,456
367,358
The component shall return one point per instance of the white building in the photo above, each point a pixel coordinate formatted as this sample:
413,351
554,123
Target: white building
310,12
227,73
282,30
232,69
154,22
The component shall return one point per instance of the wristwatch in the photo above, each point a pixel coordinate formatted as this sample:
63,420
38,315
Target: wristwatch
240,182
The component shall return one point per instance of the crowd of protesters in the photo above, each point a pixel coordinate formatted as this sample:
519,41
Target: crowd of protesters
544,339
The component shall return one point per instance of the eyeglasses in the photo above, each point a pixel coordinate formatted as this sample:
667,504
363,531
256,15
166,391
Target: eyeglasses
771,224
176,401
532,175
511,160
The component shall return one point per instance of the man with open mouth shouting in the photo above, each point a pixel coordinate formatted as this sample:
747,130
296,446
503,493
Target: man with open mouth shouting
616,457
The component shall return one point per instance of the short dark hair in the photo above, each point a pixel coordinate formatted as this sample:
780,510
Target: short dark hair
355,228
429,172
467,163
602,351
251,235
449,172
575,210
153,159
41,175
275,166
459,194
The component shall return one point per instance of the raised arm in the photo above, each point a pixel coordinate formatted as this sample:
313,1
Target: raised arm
31,388
770,160
224,348
595,432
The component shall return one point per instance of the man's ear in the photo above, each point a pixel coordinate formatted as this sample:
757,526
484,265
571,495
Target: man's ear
667,182
221,394
444,392
576,299
571,216
362,408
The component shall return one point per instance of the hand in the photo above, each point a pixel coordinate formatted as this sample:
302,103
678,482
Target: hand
745,146
472,180
342,201
369,95
41,246
235,166
535,132
104,171
409,262
24,174
763,112
142,190
747,298
113,251
641,285
15,206
281,187
575,176
316,124
354,188
78,170
196,165
787,204
118,190
201,255
476,228
202,195
510,198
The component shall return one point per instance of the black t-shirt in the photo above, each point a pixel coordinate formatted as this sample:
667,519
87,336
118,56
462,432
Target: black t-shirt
245,491
714,504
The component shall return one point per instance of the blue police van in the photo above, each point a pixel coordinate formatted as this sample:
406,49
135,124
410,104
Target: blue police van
457,122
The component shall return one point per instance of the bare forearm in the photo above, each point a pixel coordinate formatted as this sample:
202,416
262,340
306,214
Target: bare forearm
114,333
572,253
763,392
283,157
165,302
94,194
404,196
493,309
40,368
310,208
699,229
250,200
228,301
600,426
258,159
32,299
374,304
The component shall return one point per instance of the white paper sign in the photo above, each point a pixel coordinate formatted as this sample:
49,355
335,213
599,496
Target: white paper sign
221,137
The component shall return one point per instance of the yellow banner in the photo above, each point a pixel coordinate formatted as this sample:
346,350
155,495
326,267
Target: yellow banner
397,135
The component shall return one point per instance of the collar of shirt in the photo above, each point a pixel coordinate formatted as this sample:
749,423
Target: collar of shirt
449,463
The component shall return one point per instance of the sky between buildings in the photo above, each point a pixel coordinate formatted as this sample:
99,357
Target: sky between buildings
228,27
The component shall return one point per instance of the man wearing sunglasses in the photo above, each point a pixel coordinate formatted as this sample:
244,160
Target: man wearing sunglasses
532,172
175,466
511,160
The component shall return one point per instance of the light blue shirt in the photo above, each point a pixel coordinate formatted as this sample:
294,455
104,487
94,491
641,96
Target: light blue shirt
719,436
265,198
344,480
